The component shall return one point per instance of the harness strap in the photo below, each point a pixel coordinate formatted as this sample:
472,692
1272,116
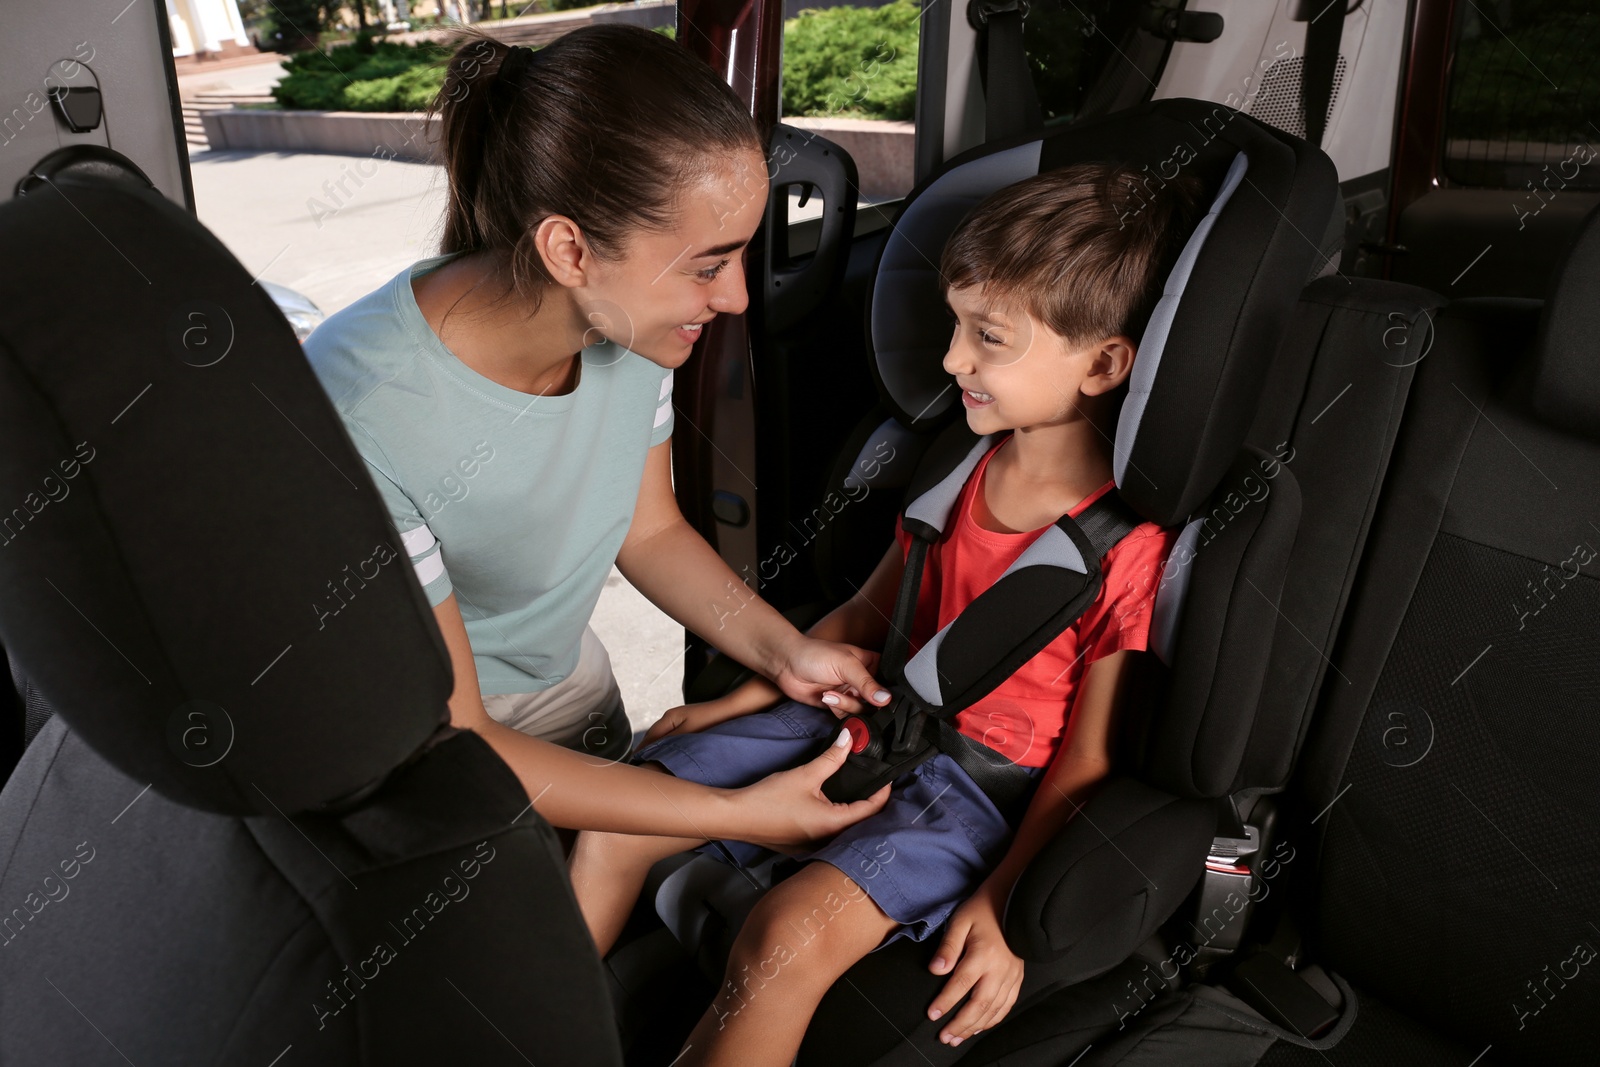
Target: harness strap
1007,785
1104,523
898,644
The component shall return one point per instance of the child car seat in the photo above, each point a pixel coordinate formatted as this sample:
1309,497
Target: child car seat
1126,861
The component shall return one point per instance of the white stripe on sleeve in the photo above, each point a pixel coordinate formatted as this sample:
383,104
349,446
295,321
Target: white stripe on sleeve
430,568
417,540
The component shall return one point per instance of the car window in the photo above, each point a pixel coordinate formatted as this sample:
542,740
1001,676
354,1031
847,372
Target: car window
1524,95
850,75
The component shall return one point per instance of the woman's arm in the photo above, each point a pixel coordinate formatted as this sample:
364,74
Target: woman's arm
577,791
674,567
863,619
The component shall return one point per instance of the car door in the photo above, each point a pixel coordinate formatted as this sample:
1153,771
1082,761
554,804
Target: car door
1498,156
79,74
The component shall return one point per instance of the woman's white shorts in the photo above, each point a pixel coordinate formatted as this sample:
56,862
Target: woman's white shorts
583,711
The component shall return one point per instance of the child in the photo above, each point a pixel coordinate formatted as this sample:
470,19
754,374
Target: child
1050,280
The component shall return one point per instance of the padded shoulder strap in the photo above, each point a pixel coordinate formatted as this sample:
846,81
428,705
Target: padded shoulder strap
949,462
1043,592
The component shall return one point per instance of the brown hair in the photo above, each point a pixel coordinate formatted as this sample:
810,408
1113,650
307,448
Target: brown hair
1085,248
608,125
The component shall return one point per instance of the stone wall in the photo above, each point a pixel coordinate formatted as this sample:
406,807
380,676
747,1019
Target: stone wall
882,150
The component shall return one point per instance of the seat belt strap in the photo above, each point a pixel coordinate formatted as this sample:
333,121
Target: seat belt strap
1320,65
1107,521
1008,786
1011,106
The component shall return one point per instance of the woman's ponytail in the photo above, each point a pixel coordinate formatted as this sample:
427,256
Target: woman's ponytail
608,125
464,118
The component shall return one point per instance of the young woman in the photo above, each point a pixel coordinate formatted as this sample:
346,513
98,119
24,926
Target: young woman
512,397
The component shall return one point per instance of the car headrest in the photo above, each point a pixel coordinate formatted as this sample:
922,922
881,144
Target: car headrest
1566,390
82,161
195,569
1226,303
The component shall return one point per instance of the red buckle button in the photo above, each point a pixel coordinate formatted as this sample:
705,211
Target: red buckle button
860,733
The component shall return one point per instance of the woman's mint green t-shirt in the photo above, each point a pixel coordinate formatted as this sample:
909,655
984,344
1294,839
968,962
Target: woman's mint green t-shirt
518,503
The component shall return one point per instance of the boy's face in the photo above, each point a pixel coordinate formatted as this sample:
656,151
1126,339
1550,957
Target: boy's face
1015,372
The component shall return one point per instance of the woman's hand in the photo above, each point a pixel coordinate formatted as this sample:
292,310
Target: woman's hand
986,966
787,812
837,675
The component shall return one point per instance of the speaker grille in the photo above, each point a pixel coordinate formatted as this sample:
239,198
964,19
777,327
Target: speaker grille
1277,103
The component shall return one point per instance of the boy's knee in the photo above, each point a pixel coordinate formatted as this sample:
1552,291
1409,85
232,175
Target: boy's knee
766,949
787,934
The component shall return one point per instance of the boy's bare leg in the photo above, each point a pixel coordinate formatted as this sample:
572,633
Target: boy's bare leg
608,872
804,934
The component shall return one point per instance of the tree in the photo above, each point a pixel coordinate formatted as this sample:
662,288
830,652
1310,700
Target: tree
299,22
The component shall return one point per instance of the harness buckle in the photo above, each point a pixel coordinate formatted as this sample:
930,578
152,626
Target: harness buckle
893,730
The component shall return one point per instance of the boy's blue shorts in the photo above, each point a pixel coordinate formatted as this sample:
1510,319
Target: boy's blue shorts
930,847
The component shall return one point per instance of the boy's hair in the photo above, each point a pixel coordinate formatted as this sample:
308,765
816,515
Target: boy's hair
1084,248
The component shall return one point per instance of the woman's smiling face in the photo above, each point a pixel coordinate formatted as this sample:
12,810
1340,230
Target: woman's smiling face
657,299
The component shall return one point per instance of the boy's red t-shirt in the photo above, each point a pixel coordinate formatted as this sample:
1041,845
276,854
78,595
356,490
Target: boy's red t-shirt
1025,717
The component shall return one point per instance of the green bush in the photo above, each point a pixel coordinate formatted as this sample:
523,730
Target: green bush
848,61
364,76
852,61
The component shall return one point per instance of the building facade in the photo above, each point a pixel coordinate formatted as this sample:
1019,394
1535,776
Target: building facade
207,29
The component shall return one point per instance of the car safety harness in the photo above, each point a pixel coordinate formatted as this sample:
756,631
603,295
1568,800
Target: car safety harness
1044,591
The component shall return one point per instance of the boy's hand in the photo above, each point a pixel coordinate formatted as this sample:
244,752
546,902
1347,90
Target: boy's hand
834,674
986,966
685,719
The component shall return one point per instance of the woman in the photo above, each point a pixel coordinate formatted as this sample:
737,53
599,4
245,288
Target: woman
512,397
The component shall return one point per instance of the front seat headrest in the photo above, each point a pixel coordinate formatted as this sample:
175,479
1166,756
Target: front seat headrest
1226,304
1566,389
82,161
195,569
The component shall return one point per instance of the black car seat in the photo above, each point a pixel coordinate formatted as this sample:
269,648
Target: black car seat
248,834
1444,798
1456,875
1118,871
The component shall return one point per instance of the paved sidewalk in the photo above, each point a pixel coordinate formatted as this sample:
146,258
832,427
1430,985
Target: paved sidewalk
259,75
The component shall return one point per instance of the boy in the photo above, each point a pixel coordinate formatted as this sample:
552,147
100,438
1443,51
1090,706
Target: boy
1049,281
